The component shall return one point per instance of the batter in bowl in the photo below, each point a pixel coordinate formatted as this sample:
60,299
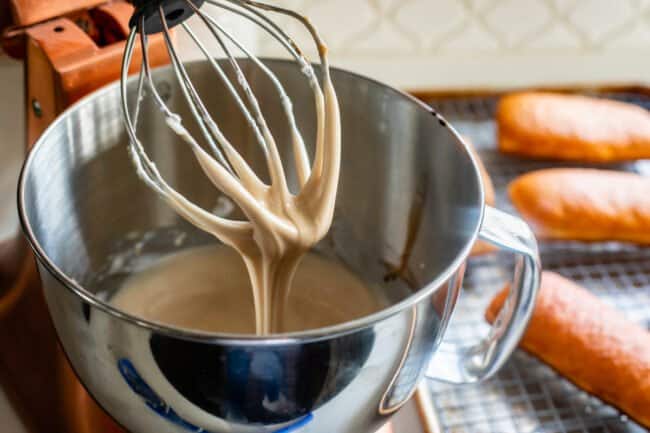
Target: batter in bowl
208,289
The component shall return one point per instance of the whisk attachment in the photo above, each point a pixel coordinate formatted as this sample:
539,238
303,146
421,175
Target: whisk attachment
280,223
174,11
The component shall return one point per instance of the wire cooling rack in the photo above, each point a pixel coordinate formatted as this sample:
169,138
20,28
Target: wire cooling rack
527,396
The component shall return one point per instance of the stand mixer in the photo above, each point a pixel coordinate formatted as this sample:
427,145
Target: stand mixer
348,378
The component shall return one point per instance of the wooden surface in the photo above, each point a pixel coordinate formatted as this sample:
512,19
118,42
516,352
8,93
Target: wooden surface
426,411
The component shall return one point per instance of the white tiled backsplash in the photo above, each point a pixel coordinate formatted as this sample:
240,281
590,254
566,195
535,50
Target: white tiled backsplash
483,43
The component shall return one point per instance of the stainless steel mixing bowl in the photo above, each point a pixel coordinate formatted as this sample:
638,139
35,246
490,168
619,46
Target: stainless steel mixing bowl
409,209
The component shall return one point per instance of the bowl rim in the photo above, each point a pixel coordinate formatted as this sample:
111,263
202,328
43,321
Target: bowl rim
246,339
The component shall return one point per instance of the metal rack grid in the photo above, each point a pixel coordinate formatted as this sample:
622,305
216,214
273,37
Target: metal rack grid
528,396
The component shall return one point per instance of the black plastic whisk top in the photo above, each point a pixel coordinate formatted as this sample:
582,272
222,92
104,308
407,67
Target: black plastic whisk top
176,11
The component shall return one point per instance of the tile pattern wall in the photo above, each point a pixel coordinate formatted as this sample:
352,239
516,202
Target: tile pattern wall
398,27
449,33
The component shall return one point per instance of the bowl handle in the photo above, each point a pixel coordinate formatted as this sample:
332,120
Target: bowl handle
461,364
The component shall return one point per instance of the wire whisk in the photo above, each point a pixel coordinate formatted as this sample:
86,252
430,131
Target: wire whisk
270,208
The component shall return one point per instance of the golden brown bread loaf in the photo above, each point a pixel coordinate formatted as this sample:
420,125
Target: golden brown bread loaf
482,247
589,343
570,127
584,204
488,186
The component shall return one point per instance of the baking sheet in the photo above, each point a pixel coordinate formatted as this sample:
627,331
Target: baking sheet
526,395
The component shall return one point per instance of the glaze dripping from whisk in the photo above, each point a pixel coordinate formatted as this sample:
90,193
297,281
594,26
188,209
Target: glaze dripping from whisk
281,226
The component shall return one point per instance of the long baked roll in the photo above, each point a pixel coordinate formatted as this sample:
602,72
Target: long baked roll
584,204
571,127
590,343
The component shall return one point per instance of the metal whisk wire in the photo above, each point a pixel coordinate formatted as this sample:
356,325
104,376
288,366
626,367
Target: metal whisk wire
231,166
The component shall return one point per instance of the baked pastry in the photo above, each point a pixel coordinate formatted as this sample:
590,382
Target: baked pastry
590,343
584,204
482,247
488,186
571,127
